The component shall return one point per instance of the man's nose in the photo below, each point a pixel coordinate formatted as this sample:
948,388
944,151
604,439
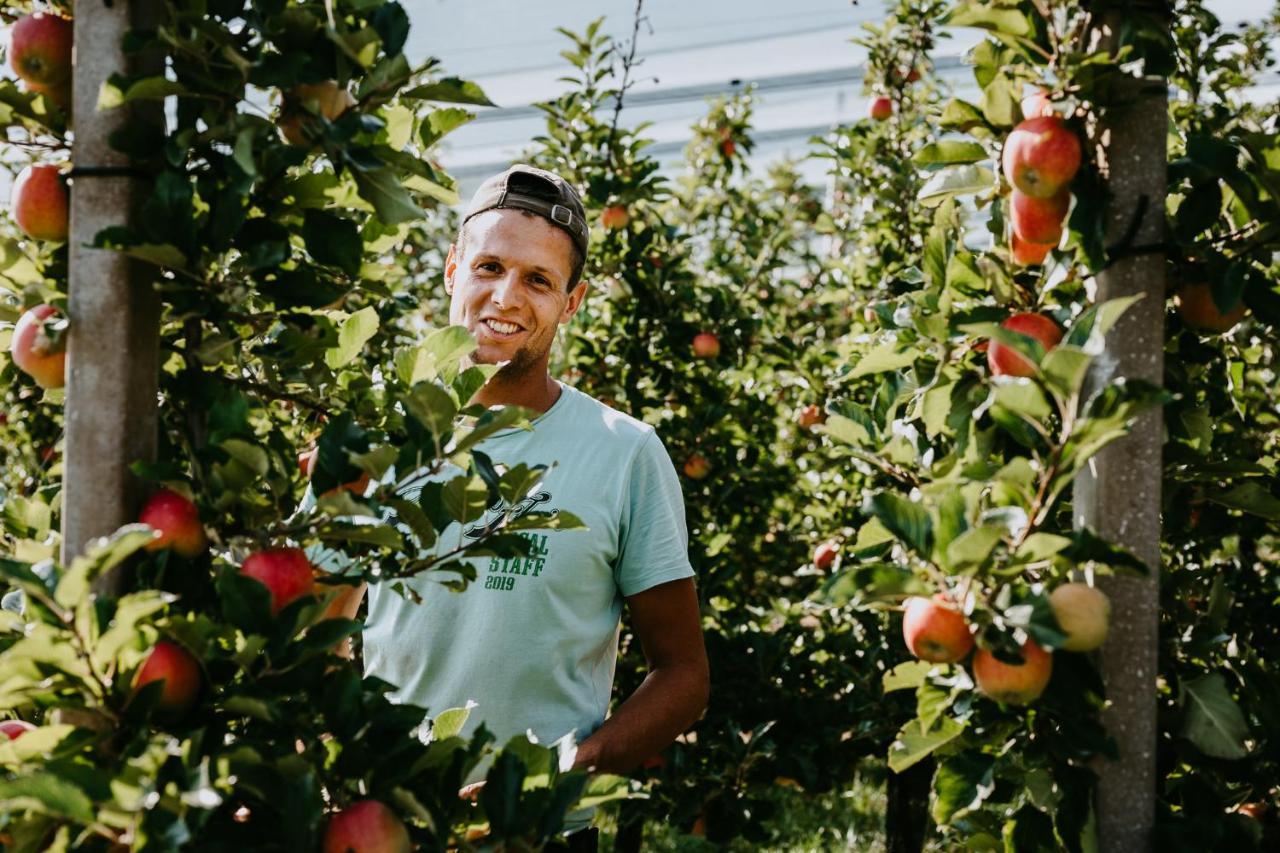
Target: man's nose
505,289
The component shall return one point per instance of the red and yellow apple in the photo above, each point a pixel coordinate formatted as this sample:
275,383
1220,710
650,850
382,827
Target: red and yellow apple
1083,613
1039,220
697,467
1041,156
810,416
615,216
177,520
366,826
40,203
1029,254
1013,684
286,572
934,631
825,554
179,671
706,345
880,108
40,49
1198,309
35,353
306,101
1006,361
14,729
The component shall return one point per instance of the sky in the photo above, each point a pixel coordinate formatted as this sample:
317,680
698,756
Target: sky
801,47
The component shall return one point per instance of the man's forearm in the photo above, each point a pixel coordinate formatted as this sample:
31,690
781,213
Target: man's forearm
665,705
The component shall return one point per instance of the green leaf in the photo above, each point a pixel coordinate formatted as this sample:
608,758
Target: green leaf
114,92
955,181
949,152
887,356
972,548
906,519
960,785
332,239
440,355
907,675
990,17
353,334
441,122
1213,721
961,115
391,202
47,793
844,429
101,556
1249,497
450,90
449,723
914,744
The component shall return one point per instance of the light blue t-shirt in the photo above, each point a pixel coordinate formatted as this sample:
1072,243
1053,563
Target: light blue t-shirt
533,641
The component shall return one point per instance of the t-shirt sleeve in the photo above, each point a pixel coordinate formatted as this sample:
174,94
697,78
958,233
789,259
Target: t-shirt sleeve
653,533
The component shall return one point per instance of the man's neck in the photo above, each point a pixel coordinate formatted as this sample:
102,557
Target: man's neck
538,392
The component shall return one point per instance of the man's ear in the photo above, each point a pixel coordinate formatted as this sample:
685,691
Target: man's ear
450,268
575,299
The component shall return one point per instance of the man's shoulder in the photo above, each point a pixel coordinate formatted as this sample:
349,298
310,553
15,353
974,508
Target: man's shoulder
615,425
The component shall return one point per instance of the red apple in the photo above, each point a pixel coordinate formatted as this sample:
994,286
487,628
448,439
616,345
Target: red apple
910,75
40,49
1083,613
615,216
1039,220
178,522
14,729
284,571
40,203
34,353
1199,311
810,416
173,665
1006,361
1041,157
1013,684
1037,105
706,345
696,467
366,826
307,462
1029,254
306,101
728,148
934,631
825,554
880,108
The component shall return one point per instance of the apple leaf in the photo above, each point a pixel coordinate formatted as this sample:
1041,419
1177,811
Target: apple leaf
907,520
353,334
949,152
1213,720
450,90
914,744
961,784
332,239
955,181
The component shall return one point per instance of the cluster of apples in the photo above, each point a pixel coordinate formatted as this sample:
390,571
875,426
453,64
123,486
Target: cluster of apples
1040,158
935,631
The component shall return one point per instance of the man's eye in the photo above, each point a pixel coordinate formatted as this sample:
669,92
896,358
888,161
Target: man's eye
489,265
539,280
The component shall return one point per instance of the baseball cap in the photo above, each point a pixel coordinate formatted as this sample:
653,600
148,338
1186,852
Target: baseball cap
538,191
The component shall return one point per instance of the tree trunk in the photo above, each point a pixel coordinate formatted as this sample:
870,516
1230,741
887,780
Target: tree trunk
906,815
112,357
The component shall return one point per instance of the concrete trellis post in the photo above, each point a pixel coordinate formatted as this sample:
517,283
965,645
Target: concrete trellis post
113,340
1119,494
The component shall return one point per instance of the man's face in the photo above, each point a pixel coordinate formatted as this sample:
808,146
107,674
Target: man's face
508,288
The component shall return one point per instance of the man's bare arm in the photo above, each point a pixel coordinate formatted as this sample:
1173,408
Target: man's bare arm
674,693
345,606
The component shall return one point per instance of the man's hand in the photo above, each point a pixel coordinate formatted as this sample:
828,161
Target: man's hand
471,792
667,621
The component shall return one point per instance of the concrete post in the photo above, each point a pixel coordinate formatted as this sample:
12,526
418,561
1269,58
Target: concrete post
113,340
1119,493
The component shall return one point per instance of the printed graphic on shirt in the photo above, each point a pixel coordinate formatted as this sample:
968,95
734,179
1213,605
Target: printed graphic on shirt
504,572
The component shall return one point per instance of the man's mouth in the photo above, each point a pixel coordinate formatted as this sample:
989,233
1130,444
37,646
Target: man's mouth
500,329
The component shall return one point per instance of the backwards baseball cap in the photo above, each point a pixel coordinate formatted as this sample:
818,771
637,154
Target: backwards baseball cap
538,191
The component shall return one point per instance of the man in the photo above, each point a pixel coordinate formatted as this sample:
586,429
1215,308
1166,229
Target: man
534,641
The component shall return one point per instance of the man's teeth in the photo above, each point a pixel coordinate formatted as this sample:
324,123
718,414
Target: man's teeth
502,328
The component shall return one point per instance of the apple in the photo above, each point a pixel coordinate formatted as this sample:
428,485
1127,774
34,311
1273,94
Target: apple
934,631
910,75
179,671
706,345
1083,613
366,826
1013,684
14,729
306,101
59,93
34,353
284,571
1006,361
40,49
307,462
810,416
40,203
825,554
728,148
1199,311
696,467
1029,254
1041,156
880,108
1037,105
177,521
615,216
1039,220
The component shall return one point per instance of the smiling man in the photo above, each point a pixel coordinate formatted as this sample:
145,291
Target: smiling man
534,640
